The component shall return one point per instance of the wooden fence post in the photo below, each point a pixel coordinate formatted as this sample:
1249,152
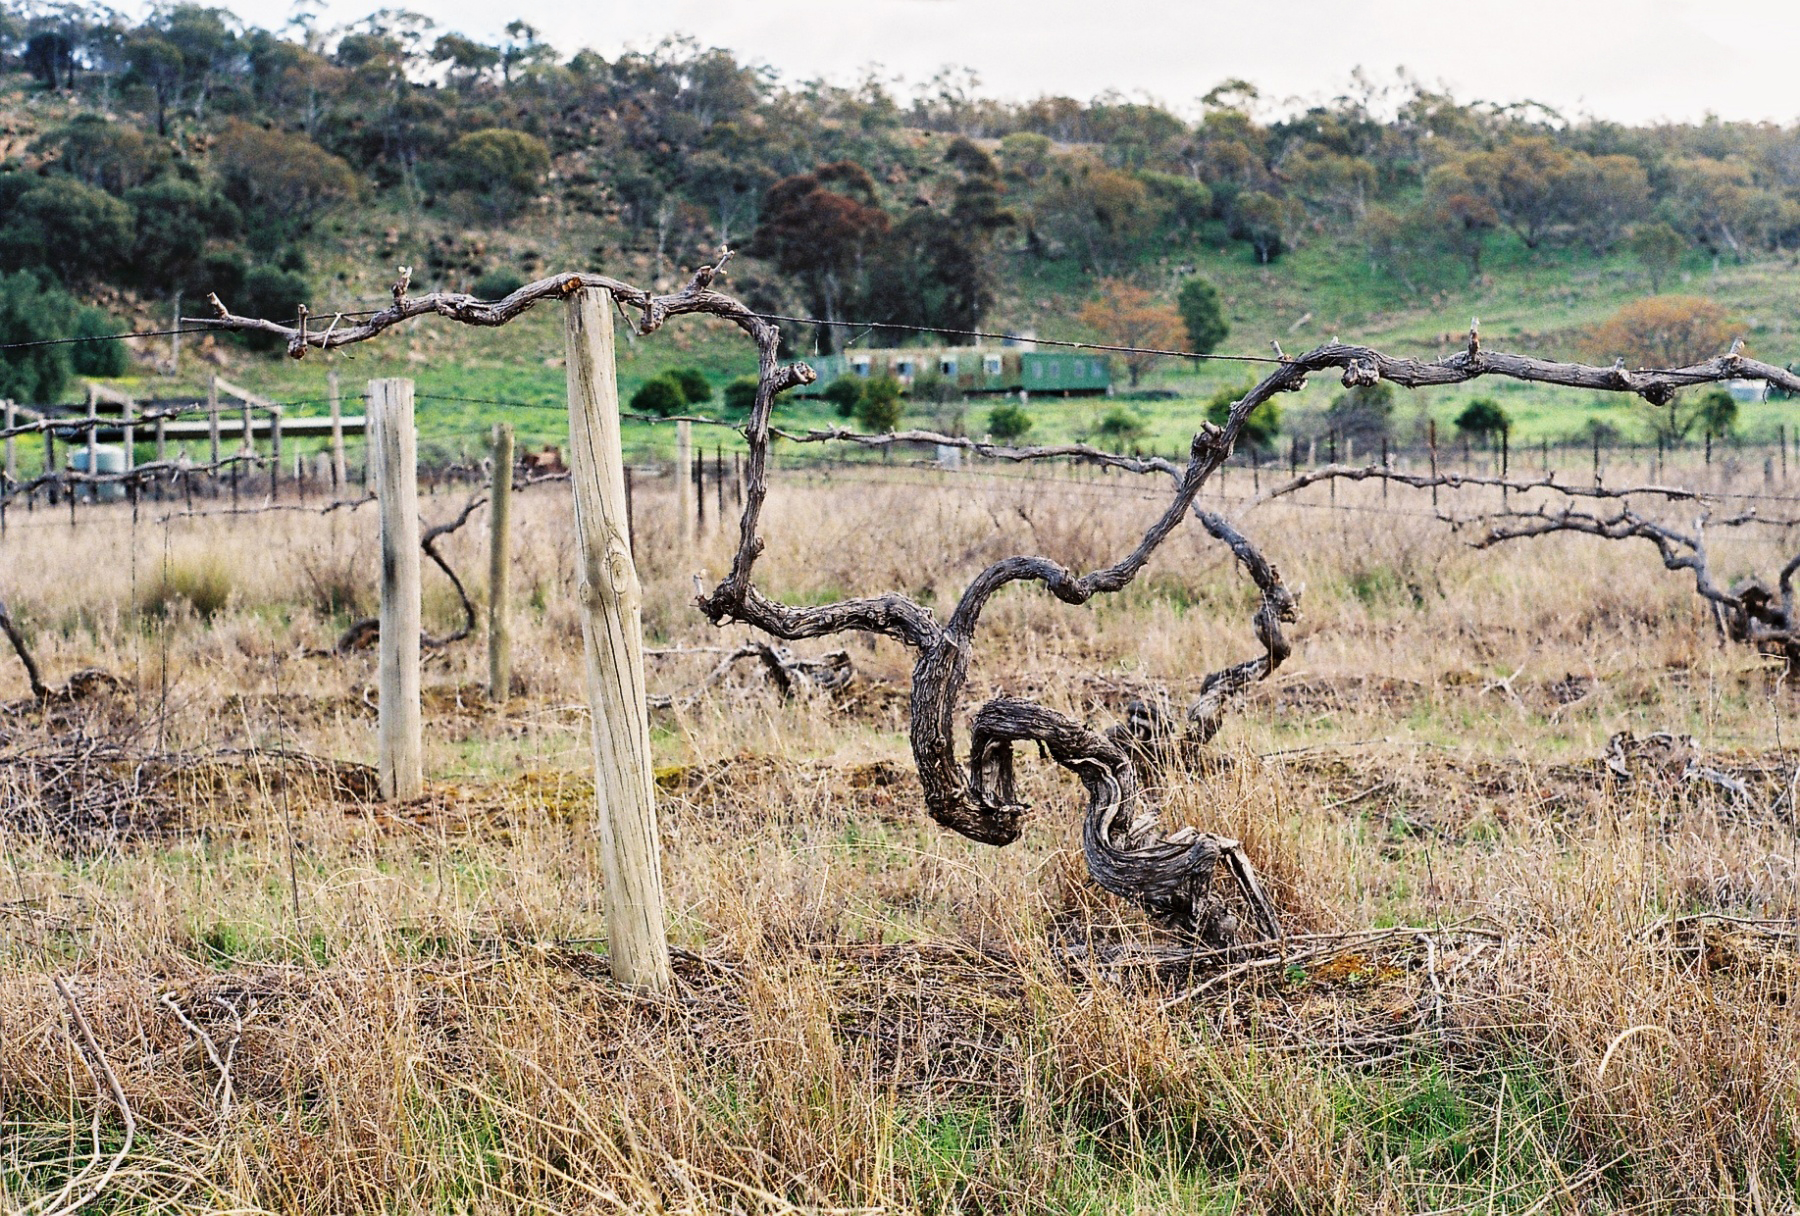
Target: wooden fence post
247,447
500,567
128,438
212,430
338,479
631,853
93,442
1431,439
401,762
11,465
684,490
275,454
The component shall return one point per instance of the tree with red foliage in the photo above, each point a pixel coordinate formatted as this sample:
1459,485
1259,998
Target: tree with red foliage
817,226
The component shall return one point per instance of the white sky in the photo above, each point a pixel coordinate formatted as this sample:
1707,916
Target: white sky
1630,60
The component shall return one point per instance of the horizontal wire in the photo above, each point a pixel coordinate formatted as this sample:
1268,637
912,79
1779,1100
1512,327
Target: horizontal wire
1019,339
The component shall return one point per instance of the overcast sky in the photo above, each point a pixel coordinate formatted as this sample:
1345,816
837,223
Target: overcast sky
1631,60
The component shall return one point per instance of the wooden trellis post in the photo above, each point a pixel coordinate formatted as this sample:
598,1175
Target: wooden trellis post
395,453
93,442
212,430
275,453
684,489
612,625
338,479
500,567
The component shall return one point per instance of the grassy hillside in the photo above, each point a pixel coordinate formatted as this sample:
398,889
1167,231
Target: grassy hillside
1540,305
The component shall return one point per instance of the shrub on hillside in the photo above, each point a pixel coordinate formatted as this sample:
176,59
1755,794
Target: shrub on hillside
1717,412
845,394
1120,426
273,293
740,395
497,284
660,395
98,358
880,408
1483,418
693,383
1008,422
31,312
1260,428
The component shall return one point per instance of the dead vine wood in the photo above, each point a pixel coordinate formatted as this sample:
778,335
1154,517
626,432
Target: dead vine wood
1752,611
366,632
1127,851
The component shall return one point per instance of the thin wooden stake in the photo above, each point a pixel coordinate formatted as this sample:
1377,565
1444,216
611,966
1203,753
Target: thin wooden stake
127,435
11,467
1431,439
684,490
338,479
400,731
275,454
500,567
613,628
212,428
93,443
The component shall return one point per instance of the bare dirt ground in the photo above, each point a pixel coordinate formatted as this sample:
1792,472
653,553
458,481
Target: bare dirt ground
1517,977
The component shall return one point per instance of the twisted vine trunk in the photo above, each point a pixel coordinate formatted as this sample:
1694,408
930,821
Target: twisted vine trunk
1168,873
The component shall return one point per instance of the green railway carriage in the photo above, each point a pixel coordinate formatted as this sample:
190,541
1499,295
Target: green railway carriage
973,369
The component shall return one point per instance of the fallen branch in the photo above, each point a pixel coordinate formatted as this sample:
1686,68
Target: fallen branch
8,626
61,1205
789,673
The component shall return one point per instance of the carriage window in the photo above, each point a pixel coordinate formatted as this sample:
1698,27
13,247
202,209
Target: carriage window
860,366
990,364
947,366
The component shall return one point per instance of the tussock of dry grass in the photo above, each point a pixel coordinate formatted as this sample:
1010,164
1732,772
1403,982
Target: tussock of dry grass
872,1013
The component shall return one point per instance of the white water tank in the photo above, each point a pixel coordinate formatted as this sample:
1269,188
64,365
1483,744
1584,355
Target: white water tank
108,458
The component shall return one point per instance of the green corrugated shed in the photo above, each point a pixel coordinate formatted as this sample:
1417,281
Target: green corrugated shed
1064,373
974,369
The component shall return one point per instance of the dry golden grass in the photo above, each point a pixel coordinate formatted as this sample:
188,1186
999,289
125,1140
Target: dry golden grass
872,1013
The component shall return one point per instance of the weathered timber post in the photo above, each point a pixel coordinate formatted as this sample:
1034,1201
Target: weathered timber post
93,443
338,479
611,623
394,450
128,441
11,466
248,449
212,428
1431,440
275,453
700,493
500,567
684,491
